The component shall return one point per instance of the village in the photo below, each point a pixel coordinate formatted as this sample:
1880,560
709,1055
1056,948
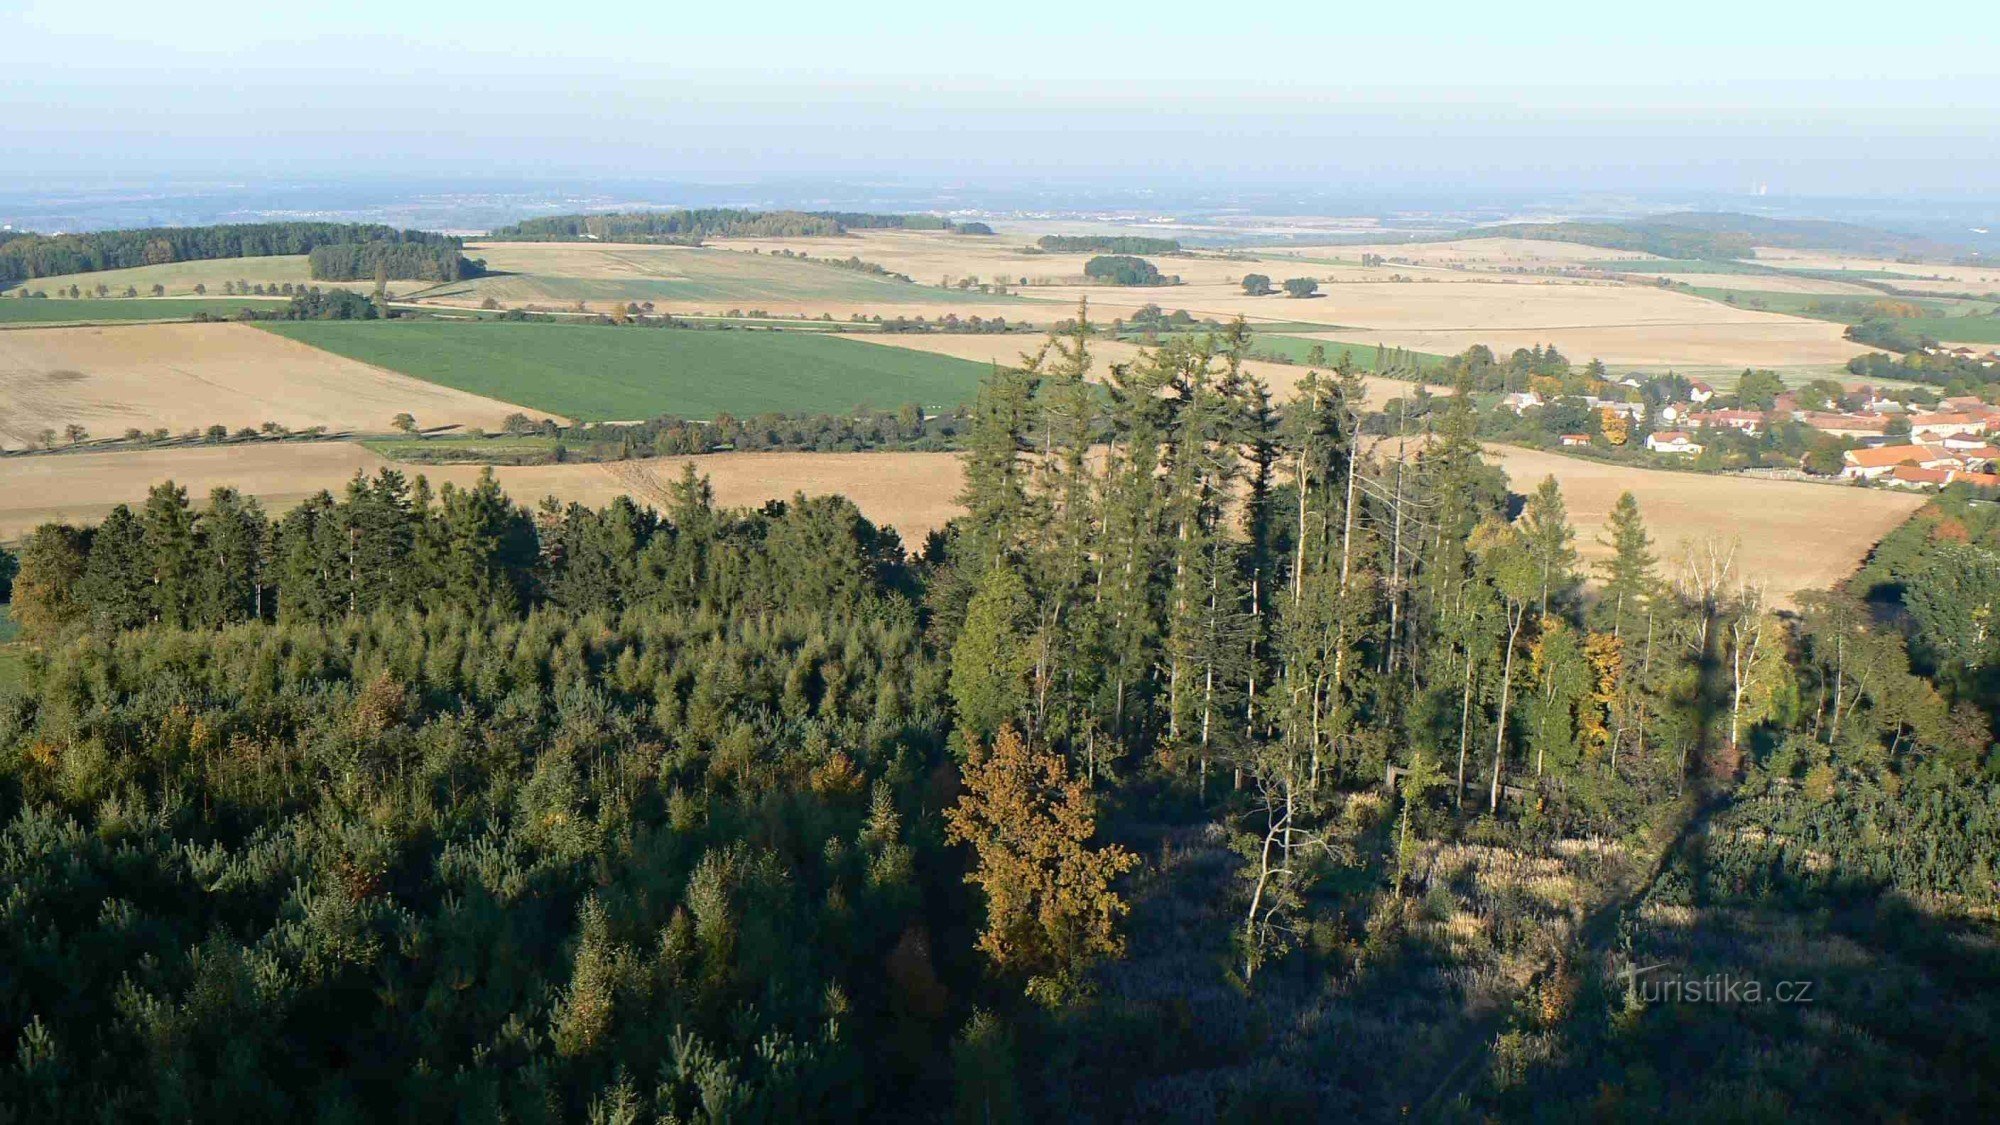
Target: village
1904,438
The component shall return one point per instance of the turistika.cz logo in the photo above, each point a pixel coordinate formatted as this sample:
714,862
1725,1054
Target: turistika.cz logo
1714,988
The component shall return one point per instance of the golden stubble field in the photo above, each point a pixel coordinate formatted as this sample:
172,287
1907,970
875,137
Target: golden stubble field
188,376
1787,536
1472,253
912,492
1281,378
1436,307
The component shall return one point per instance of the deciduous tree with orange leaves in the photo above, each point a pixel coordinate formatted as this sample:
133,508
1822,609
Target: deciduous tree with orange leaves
1050,909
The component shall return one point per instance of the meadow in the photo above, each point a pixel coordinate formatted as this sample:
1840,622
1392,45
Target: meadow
180,278
683,277
94,310
603,373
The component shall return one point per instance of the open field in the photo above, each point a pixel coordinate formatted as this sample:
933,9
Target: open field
1486,253
1791,535
1977,279
931,257
913,492
1281,378
189,376
604,373
91,310
1781,343
180,278
1770,283
687,279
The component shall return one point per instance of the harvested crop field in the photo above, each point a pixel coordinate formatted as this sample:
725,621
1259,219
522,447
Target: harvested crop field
1790,535
913,492
180,278
1470,252
191,376
1768,283
1779,342
1281,378
603,372
688,279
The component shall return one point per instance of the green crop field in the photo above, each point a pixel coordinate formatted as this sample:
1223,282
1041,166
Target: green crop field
1958,329
91,310
604,373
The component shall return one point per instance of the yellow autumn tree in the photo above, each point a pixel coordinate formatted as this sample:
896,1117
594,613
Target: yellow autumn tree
1050,909
1617,427
1598,724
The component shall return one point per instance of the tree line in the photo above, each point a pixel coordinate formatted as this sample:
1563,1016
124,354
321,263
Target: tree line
691,225
1106,244
36,255
398,261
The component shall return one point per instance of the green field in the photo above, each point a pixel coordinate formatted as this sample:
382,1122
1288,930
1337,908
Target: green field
602,373
1366,356
89,310
1958,329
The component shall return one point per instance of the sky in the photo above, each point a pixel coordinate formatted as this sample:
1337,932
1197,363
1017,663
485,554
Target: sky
1692,96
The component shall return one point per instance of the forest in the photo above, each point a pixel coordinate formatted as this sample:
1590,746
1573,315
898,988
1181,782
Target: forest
36,255
1215,765
1106,244
391,261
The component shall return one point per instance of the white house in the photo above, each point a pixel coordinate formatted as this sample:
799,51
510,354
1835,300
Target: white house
1672,441
1520,401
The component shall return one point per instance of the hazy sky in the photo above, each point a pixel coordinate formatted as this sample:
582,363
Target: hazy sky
1694,95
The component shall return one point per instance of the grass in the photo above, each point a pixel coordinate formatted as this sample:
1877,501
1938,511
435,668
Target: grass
1366,356
720,279
88,310
1958,329
180,278
604,373
1949,322
466,448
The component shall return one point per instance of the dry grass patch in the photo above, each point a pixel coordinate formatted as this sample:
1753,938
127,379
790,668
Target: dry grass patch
191,376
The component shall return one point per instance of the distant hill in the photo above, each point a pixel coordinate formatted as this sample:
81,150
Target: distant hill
690,226
1721,234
